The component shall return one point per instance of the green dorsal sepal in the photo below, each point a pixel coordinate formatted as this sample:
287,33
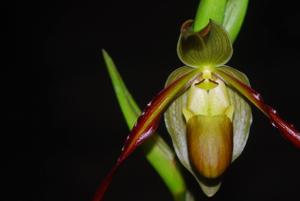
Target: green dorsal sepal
209,47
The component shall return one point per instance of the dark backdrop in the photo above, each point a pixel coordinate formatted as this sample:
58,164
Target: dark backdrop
65,127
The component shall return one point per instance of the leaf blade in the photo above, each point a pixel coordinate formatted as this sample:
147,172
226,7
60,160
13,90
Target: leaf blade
234,15
128,107
207,10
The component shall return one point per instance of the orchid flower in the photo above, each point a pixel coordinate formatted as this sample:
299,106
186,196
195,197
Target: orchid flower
206,109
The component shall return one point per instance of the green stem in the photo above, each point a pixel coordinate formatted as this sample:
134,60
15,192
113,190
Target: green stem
229,13
157,152
209,9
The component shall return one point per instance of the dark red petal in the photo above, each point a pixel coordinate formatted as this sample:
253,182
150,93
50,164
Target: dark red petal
286,129
147,123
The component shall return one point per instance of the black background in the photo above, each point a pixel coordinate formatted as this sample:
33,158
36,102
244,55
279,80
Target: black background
65,127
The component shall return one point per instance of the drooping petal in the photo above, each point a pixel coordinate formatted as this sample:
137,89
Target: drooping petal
286,129
209,47
147,123
242,117
176,127
158,153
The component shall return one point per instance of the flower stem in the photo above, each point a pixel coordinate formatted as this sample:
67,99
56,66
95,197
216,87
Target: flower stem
229,13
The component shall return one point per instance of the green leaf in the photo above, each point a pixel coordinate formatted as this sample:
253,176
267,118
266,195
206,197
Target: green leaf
158,153
209,10
229,13
234,15
128,106
209,47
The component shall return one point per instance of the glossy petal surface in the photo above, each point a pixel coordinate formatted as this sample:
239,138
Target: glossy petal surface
159,154
210,144
147,123
286,129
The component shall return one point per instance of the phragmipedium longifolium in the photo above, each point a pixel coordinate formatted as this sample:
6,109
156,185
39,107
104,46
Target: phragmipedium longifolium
205,104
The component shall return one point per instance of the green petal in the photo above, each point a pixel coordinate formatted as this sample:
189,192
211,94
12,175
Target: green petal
242,118
209,47
176,127
175,122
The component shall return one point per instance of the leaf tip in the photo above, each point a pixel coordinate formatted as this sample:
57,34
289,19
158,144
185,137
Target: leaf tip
104,53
